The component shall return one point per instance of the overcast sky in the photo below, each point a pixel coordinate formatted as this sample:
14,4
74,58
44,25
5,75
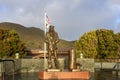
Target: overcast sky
71,18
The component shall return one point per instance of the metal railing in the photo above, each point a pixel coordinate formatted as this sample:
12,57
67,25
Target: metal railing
108,60
3,66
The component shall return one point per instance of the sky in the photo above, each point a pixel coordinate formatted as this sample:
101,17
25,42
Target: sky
71,18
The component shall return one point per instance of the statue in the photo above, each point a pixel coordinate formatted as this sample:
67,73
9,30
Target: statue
51,40
73,66
72,59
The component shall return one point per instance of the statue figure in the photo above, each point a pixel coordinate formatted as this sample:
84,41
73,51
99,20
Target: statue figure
51,40
73,66
72,59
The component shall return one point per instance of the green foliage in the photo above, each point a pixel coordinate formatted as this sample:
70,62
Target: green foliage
87,45
10,44
98,44
117,40
34,37
107,47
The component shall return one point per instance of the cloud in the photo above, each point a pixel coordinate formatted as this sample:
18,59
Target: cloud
114,6
83,17
71,18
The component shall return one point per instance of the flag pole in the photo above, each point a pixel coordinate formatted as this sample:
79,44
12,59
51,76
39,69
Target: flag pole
45,42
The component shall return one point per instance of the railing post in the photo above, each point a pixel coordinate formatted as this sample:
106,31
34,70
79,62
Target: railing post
3,66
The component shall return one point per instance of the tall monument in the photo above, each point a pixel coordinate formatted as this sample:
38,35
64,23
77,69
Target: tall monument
51,40
57,74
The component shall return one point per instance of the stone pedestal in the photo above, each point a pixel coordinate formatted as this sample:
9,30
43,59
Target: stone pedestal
64,75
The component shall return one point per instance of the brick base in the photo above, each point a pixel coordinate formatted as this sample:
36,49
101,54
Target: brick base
64,75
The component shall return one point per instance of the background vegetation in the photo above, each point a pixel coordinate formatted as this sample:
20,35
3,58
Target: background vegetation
10,44
34,37
100,43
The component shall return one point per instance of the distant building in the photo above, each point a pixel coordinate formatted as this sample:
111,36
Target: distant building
36,53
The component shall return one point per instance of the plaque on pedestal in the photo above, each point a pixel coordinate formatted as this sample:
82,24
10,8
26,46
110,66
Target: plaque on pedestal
53,70
75,70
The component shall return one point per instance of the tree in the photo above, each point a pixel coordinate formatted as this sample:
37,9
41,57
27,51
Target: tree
107,47
98,44
11,44
117,40
87,45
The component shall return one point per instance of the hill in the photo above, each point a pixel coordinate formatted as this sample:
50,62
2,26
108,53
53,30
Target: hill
34,37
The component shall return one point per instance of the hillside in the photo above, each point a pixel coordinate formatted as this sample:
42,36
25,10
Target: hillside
34,37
